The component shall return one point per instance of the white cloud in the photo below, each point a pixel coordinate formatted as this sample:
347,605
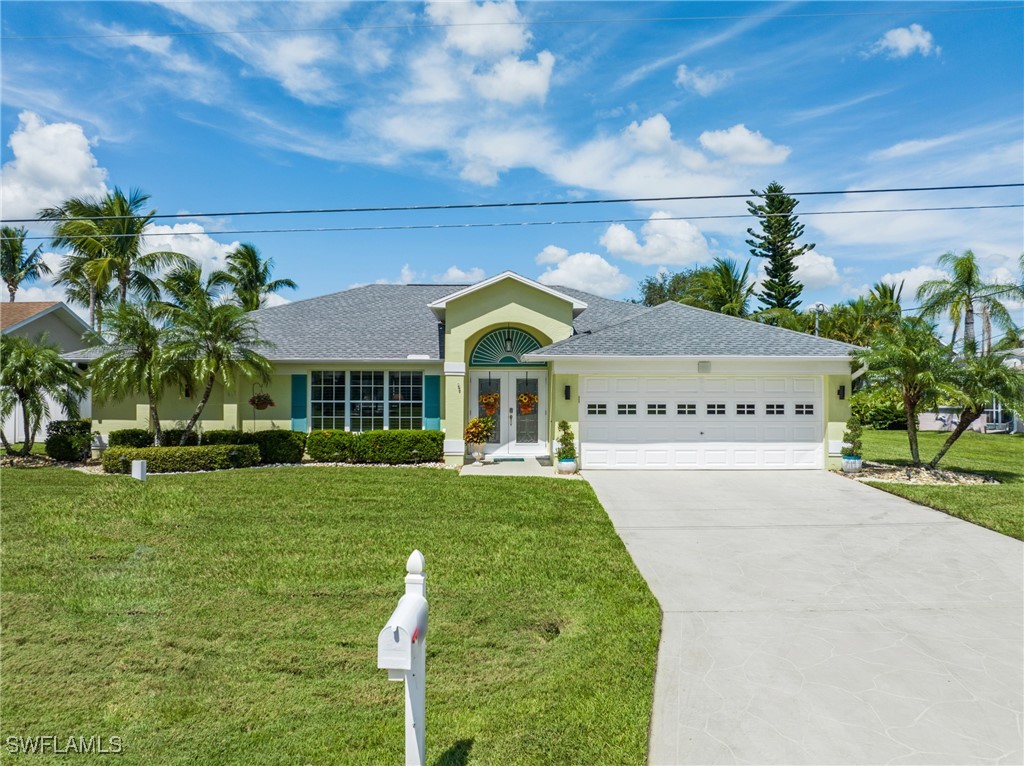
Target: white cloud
584,271
700,80
902,42
406,276
189,239
913,278
514,81
487,30
738,144
666,242
455,275
52,162
816,271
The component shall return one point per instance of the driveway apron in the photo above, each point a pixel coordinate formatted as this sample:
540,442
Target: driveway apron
810,619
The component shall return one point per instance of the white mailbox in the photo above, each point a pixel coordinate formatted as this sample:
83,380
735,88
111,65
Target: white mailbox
406,626
402,651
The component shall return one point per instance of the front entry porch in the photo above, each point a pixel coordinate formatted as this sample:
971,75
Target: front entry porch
517,401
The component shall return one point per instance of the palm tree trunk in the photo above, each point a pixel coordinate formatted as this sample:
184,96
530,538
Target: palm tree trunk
12,289
967,416
969,330
210,380
952,341
30,435
123,286
92,307
154,418
7,445
986,330
909,408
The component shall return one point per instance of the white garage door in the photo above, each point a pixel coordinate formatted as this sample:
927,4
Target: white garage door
701,422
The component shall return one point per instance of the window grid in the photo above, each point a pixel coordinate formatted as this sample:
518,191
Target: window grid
716,409
686,409
745,409
805,409
597,409
775,409
366,400
626,409
405,400
327,397
657,409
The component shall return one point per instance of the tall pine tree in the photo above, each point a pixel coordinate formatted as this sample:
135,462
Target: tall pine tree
777,242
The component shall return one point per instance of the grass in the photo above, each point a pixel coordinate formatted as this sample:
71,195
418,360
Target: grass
999,507
232,617
38,447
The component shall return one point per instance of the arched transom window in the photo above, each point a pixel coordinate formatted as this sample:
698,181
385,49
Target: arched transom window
504,348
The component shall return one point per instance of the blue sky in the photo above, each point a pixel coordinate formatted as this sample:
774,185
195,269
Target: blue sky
365,104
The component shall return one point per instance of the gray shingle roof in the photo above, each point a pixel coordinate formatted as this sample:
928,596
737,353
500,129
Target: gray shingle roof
673,329
386,322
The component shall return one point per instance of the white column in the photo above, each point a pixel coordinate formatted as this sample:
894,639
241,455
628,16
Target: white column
415,678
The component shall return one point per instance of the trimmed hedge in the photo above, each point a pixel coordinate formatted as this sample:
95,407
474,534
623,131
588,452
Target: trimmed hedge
398,447
172,437
330,446
130,437
275,445
175,459
880,409
69,440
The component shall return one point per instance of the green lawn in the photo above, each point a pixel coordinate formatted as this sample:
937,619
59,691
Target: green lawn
999,507
232,617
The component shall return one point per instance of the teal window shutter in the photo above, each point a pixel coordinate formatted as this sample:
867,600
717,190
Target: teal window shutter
299,403
432,402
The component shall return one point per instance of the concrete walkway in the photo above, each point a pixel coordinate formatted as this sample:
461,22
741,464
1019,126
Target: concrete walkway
529,466
809,619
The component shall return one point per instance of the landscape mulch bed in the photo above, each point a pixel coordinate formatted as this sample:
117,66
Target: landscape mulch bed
900,474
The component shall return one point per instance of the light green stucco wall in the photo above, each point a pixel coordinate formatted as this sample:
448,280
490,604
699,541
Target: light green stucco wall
508,303
836,414
562,409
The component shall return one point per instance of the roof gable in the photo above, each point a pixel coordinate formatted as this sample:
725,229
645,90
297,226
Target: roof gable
20,313
439,306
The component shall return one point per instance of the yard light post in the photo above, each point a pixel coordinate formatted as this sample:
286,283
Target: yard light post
402,651
819,308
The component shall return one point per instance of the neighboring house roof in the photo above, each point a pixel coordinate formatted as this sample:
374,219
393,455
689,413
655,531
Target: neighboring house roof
388,322
674,330
21,313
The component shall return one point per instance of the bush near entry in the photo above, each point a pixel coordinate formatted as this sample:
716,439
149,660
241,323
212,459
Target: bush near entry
69,440
177,459
399,447
276,446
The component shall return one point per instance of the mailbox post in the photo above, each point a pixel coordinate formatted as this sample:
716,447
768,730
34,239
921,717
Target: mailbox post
402,651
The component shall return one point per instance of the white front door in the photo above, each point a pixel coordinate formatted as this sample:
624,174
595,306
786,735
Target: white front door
517,402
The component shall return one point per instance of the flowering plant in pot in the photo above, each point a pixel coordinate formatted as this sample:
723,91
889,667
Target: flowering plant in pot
566,452
852,446
478,432
261,401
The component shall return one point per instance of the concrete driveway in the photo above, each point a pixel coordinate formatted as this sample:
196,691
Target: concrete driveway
809,619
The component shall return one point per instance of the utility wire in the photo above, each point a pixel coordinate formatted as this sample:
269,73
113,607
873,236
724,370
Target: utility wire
508,224
544,203
509,23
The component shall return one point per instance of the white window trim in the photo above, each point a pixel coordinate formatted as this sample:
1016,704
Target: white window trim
348,396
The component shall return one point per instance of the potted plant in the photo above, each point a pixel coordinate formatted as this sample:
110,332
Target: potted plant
566,452
478,432
852,446
261,401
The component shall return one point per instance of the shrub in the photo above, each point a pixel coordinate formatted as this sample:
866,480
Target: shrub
478,430
880,409
398,447
130,437
566,441
68,440
174,459
330,446
222,436
852,444
277,446
171,437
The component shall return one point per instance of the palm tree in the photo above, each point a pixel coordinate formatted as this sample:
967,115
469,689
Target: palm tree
106,233
219,342
977,380
32,372
136,360
909,359
180,283
15,266
723,288
80,291
964,293
250,277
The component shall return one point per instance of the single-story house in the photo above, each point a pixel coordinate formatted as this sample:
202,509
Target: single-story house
61,326
664,387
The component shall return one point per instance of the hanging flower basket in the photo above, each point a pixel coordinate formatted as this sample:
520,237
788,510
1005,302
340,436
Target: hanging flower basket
527,403
261,401
490,403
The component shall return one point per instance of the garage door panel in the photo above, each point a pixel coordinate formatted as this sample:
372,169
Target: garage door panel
663,422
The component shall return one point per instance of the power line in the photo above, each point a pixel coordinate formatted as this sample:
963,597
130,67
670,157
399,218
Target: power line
509,224
522,23
544,203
